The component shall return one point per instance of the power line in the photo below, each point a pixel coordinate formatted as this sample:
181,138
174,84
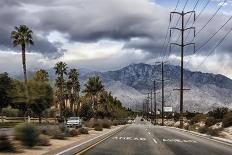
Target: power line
212,17
198,16
218,44
206,42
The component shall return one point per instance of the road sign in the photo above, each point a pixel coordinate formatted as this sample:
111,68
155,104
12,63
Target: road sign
167,109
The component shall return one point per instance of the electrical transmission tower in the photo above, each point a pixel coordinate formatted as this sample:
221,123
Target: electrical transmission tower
182,45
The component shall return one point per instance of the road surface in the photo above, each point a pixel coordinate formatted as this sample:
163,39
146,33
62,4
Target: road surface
144,139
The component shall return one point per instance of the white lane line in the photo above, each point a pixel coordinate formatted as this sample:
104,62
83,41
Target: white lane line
149,133
64,151
154,141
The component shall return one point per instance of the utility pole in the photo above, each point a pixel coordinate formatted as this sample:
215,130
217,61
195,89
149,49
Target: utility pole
182,45
155,101
162,80
147,105
151,104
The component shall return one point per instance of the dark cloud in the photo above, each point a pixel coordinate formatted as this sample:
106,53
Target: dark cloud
140,24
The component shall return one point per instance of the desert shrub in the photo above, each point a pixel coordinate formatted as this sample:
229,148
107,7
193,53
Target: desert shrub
58,135
210,121
203,129
227,120
98,128
106,123
115,122
218,113
198,118
48,130
43,140
73,133
83,131
213,132
27,133
5,144
63,127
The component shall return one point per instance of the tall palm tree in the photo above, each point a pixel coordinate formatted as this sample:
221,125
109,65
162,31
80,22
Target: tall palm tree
22,36
92,88
61,71
73,86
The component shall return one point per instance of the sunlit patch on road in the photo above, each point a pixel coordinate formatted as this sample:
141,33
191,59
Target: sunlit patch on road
180,141
130,138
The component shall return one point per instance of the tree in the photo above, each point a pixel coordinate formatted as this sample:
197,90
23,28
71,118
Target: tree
41,75
40,97
61,71
218,113
73,88
22,36
5,92
92,88
86,112
19,98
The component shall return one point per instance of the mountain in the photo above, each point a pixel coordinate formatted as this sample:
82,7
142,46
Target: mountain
131,83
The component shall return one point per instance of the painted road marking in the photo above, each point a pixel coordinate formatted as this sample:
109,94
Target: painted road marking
154,141
149,133
129,138
180,141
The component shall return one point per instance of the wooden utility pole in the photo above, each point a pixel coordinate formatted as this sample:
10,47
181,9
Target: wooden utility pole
182,45
154,100
162,80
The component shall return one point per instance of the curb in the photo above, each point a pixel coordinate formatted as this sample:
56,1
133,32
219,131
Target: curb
89,143
208,137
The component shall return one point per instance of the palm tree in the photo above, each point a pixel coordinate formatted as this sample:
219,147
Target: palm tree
61,71
41,75
92,88
73,86
22,36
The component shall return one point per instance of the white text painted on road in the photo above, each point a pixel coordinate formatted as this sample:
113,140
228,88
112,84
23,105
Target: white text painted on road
129,138
154,141
179,141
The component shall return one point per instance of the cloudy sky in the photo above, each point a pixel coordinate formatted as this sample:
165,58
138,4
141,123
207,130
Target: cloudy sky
109,34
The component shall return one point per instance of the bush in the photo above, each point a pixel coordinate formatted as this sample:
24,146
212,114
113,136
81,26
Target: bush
5,144
198,118
27,133
227,120
58,135
83,131
218,113
73,133
115,122
213,132
106,123
43,140
203,129
210,121
98,128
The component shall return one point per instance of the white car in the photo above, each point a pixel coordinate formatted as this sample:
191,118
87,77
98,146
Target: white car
74,122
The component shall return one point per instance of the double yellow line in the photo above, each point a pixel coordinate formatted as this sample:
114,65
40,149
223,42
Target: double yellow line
104,139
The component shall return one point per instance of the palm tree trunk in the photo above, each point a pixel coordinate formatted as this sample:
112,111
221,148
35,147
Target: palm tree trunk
25,76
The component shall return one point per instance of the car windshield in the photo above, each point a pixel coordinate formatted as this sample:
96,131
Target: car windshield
73,118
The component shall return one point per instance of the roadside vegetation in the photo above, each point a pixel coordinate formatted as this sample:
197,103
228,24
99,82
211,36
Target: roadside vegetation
214,123
37,99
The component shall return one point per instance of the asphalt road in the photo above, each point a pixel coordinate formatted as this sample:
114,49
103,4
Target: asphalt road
144,139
